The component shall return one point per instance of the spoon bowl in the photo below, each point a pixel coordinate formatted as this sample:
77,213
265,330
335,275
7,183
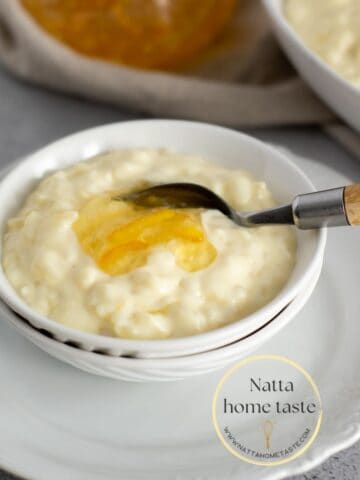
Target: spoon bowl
335,207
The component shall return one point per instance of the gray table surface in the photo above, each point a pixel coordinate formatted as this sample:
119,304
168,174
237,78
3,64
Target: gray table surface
31,117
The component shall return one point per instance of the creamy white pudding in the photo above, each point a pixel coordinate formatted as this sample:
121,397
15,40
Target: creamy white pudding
78,257
331,28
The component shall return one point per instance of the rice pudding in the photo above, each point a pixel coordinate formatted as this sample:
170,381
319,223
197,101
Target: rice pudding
79,257
331,28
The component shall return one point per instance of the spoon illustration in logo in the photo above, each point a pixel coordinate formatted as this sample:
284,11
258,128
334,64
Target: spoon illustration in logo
268,427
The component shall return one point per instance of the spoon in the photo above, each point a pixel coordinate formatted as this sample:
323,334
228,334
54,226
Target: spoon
328,208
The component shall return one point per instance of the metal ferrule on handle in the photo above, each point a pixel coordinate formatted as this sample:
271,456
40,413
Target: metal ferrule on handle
337,207
320,209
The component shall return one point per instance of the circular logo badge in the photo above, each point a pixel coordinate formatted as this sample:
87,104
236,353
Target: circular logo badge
267,410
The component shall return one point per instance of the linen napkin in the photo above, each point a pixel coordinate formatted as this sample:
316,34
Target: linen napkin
245,81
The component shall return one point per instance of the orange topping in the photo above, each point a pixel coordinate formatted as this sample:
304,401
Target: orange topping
142,33
120,236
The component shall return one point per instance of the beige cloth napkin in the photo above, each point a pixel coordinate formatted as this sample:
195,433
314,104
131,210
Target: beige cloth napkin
244,82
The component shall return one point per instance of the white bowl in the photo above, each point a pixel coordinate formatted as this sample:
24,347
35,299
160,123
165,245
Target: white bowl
337,92
163,369
226,147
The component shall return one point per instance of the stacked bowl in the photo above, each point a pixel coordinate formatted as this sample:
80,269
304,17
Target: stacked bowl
169,359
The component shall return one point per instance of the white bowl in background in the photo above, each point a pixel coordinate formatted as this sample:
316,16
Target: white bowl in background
223,146
161,369
337,92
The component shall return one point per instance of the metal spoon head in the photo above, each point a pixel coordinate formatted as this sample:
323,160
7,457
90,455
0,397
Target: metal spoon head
178,195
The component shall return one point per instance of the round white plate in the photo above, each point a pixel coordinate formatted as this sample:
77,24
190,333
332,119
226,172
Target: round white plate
58,423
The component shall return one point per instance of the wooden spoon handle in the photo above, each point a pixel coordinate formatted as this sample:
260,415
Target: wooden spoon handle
352,204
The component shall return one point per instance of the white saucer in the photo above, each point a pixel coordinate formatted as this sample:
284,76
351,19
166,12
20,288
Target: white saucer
60,423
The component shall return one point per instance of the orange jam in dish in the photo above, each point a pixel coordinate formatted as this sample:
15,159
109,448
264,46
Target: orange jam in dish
120,236
141,33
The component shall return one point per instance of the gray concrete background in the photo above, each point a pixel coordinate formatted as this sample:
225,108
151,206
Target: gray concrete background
31,117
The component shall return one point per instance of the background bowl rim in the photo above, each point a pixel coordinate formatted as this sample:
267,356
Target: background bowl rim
278,16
